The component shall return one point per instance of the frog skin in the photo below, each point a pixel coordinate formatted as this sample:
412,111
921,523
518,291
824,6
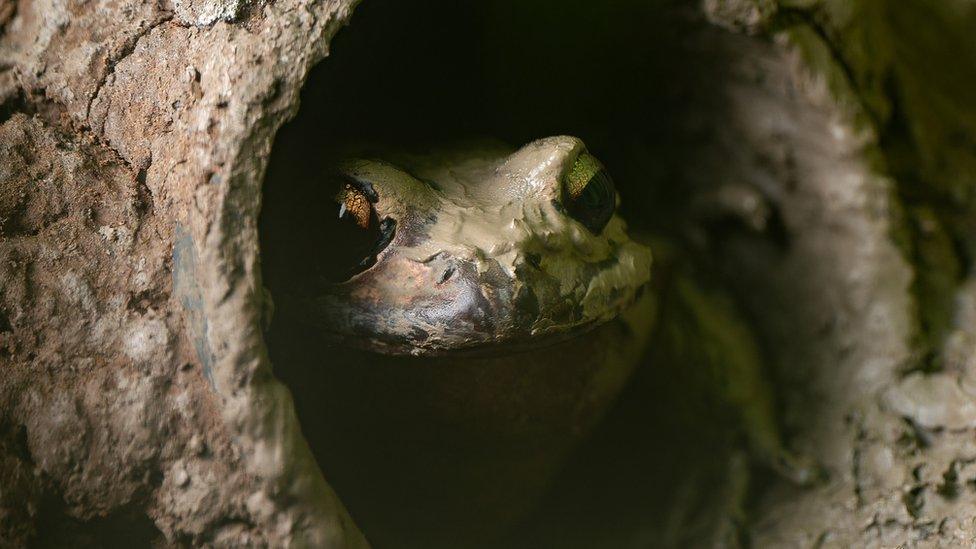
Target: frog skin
495,300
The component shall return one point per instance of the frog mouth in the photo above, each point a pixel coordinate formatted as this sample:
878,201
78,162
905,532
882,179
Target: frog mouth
472,313
519,345
477,346
530,342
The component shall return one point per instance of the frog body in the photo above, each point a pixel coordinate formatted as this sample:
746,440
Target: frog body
479,333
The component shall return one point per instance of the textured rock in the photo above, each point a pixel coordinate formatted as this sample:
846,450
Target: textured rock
135,381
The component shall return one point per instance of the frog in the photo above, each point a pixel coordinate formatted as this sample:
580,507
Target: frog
481,307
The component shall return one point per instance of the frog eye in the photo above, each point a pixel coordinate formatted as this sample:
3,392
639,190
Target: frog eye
355,206
356,235
592,196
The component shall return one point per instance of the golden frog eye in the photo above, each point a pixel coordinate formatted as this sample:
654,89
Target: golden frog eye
354,205
355,234
591,194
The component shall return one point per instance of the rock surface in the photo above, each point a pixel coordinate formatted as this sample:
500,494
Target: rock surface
136,398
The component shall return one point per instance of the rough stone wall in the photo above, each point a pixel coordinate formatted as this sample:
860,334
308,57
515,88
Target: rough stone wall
133,377
860,135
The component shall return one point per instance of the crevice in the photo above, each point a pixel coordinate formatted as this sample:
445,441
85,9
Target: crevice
856,424
5,326
51,114
792,17
128,526
11,106
29,102
949,488
914,501
8,10
15,104
127,49
145,205
899,151
168,16
931,243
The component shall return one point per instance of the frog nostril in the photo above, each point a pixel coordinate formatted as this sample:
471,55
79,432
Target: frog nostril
448,272
592,195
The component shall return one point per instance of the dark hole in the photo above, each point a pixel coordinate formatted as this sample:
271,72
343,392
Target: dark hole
615,74
126,527
4,322
347,248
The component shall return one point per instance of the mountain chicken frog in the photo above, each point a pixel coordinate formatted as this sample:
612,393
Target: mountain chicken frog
480,309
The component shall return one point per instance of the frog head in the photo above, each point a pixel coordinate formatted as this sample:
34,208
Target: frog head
476,248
